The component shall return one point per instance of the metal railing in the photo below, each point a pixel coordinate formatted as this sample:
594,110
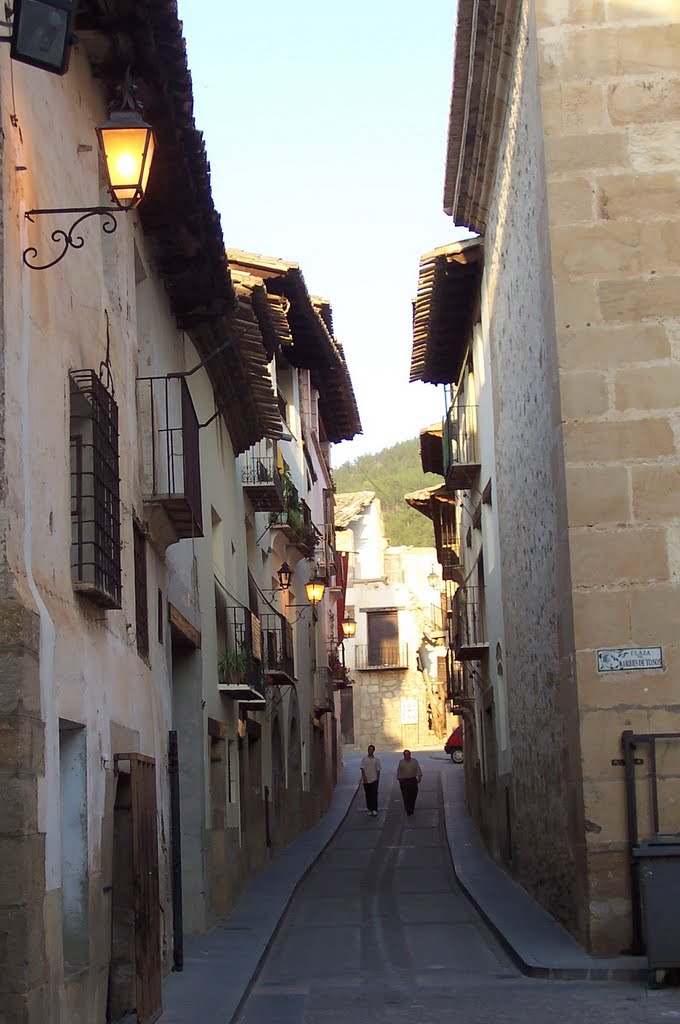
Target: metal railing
469,620
171,465
277,646
244,637
261,479
381,655
459,437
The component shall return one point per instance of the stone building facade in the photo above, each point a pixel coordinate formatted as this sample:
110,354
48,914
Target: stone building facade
563,156
396,659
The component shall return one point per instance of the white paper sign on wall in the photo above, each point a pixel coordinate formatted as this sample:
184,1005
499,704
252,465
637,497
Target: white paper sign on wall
409,712
629,659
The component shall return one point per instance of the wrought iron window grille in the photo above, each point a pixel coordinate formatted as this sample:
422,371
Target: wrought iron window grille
95,489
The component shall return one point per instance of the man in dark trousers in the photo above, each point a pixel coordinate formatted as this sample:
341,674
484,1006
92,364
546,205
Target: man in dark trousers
409,776
370,776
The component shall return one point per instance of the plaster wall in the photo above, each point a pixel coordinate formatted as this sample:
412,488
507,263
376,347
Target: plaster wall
609,95
88,669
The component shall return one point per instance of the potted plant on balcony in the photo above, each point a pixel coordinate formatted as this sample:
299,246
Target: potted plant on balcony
232,666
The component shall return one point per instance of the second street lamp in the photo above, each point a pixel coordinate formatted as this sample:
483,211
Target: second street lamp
315,588
349,627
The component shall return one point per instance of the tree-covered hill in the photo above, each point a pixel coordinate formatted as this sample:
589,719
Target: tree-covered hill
392,473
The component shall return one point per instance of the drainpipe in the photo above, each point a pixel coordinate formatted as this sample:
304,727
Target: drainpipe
48,787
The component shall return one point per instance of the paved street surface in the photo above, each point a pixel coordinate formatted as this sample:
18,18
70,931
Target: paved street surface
379,931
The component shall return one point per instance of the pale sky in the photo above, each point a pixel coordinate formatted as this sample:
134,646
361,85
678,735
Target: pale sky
325,126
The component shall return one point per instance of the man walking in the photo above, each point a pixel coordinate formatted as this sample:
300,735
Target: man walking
409,776
370,776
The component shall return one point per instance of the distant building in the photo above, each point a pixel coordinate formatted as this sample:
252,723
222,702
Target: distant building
396,659
554,335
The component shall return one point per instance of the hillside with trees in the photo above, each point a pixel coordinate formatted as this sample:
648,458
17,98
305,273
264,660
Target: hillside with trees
392,473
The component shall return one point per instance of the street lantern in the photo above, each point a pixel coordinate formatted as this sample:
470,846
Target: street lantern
128,145
315,589
433,578
42,33
349,627
284,574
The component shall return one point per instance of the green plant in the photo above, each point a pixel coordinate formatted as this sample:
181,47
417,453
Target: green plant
295,519
233,665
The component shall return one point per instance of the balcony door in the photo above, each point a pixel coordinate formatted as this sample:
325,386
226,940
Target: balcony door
383,637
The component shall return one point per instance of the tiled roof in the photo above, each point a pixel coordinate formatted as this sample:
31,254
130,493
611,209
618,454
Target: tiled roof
425,501
349,505
308,342
444,309
484,51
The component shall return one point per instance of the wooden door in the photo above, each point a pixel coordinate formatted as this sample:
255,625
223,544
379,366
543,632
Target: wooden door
145,887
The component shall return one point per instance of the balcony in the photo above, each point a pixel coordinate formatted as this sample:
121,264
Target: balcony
295,521
278,662
171,473
461,455
323,691
240,666
434,622
261,479
380,656
469,642
337,667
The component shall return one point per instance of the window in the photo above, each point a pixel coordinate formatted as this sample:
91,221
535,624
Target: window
95,505
383,638
141,597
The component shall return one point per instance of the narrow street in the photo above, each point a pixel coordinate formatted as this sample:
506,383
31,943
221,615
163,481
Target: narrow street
380,931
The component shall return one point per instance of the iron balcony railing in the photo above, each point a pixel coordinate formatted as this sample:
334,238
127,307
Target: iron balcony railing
446,539
470,640
434,618
381,656
171,464
261,478
243,678
459,440
295,521
455,680
277,647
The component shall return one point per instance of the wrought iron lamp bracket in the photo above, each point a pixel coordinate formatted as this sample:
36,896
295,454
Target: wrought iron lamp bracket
70,239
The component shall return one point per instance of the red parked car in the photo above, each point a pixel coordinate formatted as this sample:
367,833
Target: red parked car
454,745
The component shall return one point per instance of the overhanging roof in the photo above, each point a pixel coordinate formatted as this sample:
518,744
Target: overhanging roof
178,214
429,500
309,343
443,313
485,49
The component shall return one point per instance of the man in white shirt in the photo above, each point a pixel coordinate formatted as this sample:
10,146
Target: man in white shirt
370,776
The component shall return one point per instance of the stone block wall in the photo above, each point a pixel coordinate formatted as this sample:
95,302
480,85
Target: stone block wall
377,710
545,844
610,99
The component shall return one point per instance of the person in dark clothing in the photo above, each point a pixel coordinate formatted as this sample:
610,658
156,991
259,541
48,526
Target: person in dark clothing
409,775
370,776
